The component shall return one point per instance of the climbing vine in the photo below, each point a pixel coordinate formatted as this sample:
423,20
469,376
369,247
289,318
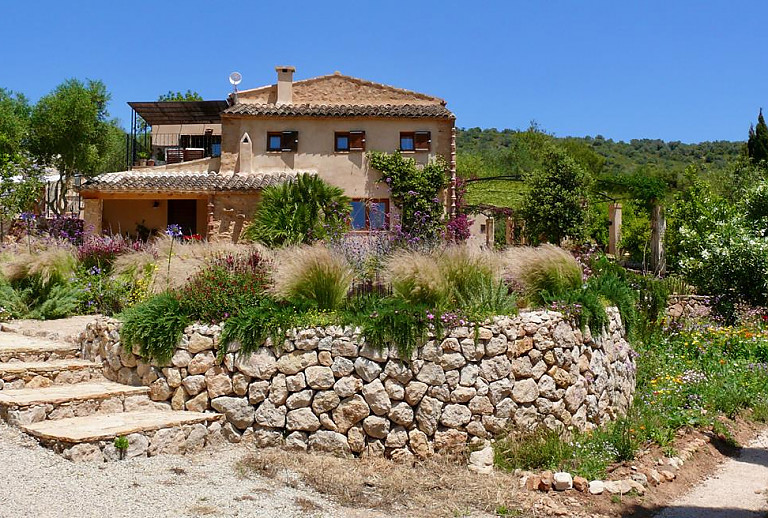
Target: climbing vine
416,193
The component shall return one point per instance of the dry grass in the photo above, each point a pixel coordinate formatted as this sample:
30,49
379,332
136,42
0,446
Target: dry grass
416,277
544,268
313,274
49,263
186,260
437,487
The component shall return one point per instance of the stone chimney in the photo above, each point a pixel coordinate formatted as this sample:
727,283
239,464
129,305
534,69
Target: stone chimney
285,84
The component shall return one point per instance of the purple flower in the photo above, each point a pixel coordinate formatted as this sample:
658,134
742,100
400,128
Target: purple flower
174,230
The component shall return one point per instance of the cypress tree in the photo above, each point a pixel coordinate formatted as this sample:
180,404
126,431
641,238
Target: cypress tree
757,145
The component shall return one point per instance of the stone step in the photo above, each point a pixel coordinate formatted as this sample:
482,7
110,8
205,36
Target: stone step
16,375
16,347
148,432
32,405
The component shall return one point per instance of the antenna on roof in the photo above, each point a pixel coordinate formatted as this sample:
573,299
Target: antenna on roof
234,79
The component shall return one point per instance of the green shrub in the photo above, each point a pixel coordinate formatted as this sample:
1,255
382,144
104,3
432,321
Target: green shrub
225,286
543,273
252,326
619,294
155,325
314,277
394,321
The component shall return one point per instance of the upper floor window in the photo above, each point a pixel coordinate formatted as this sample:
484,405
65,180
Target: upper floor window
369,214
282,140
415,140
349,141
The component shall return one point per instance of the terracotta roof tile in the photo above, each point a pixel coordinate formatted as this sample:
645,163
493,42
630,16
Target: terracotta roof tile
436,111
183,181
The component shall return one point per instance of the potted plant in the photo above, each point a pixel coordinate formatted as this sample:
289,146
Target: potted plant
143,156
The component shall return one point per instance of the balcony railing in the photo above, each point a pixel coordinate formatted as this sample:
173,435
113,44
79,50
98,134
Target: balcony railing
173,148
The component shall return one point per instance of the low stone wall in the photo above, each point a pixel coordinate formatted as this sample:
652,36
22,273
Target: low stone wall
688,306
326,389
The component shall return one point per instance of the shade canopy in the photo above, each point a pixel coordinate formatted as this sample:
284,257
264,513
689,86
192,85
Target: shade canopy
180,112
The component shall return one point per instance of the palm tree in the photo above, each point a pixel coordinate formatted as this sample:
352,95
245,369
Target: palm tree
304,210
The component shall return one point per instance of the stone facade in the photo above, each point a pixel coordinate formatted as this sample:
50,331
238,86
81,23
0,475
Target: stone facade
328,390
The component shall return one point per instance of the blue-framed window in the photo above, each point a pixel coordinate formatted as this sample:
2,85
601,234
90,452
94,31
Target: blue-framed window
369,214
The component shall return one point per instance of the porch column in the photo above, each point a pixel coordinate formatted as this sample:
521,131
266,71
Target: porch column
490,231
92,215
614,228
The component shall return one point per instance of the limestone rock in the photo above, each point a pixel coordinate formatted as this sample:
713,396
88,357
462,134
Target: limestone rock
300,399
218,382
376,397
350,411
562,481
596,487
159,390
238,410
495,368
325,401
342,367
261,364
348,386
402,414
455,416
258,391
296,382
414,391
525,391
481,461
367,369
377,427
278,390
198,343
330,442
181,358
296,361
270,415
428,414
419,443
319,377
201,362
431,374
194,384
199,403
302,419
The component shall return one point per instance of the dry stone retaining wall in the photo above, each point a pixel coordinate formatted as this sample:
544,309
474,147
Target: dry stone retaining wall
689,306
328,390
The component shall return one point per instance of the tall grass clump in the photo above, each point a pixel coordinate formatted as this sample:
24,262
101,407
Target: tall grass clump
155,325
416,278
39,284
312,276
543,272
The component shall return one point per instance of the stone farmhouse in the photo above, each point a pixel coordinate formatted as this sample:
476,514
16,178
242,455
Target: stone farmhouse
213,158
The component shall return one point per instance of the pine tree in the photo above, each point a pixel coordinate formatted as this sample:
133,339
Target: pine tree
757,145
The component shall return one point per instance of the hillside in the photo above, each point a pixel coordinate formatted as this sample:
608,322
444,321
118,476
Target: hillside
491,153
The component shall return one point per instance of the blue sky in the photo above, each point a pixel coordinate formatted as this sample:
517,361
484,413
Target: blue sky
677,70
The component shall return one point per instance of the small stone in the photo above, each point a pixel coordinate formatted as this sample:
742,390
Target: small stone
270,415
547,481
580,484
181,358
654,477
330,442
302,419
296,441
525,391
278,391
258,391
455,416
300,399
431,374
367,369
342,367
319,377
414,391
356,438
667,474
481,461
201,362
532,482
348,386
194,384
295,382
428,414
238,410
218,382
419,443
402,414
376,397
350,411
325,401
178,400
199,403
296,361
562,481
596,487
325,358
376,427
198,343
160,391
640,478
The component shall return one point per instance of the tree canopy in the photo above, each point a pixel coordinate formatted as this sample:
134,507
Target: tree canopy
757,145
14,123
189,95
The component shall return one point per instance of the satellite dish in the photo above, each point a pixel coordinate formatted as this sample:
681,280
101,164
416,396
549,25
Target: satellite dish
235,78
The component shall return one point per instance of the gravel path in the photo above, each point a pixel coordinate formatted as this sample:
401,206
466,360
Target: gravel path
739,489
35,482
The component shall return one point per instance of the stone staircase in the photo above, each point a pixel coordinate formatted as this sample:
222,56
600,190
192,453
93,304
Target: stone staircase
63,401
